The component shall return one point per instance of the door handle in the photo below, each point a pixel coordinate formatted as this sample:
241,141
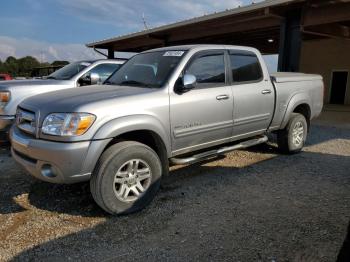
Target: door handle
266,91
222,97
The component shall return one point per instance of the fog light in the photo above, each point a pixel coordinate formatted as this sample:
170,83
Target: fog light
48,171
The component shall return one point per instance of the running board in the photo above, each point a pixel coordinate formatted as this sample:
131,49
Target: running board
219,151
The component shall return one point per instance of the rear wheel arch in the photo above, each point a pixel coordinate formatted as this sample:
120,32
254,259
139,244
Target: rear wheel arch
299,103
291,139
305,110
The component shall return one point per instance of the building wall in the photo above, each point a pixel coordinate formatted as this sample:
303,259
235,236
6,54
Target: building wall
323,57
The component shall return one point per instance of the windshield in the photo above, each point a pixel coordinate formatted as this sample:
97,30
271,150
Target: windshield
147,69
67,72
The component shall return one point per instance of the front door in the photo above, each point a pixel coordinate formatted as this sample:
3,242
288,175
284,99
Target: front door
202,116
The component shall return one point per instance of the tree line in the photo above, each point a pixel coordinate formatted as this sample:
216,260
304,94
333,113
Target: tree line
23,67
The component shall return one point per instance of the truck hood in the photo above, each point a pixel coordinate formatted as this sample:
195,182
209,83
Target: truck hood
70,100
8,85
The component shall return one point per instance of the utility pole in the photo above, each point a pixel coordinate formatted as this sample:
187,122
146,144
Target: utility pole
41,56
144,21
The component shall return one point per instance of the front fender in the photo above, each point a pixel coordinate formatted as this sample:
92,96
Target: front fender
122,125
296,100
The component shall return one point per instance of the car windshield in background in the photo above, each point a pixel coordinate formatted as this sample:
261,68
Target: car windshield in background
147,69
67,72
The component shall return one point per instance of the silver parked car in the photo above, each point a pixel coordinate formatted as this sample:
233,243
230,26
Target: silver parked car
76,74
174,105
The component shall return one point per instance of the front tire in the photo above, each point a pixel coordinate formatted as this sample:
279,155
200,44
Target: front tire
292,138
126,178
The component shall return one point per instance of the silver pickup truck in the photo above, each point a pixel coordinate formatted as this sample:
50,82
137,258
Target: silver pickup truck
173,105
76,74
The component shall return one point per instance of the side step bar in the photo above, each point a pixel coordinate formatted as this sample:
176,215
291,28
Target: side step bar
219,151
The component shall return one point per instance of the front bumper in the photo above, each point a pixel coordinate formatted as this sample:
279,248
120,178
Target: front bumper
6,122
56,162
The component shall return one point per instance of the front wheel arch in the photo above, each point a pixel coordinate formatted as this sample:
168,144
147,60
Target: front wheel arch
131,124
148,138
102,183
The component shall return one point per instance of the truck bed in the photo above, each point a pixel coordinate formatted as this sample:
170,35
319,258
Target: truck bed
283,77
307,88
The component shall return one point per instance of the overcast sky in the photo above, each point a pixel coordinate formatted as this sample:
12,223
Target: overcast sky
58,29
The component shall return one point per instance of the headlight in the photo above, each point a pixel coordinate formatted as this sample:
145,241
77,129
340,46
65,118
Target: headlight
4,98
67,124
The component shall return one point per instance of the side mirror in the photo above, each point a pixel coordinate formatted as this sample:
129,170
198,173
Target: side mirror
94,79
89,79
188,81
185,83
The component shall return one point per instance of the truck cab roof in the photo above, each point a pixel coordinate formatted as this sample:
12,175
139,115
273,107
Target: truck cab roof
201,47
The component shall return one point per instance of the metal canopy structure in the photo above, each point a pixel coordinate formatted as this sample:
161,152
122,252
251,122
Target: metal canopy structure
277,26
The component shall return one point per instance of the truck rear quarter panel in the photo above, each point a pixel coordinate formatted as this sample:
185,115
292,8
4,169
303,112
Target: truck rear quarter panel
291,94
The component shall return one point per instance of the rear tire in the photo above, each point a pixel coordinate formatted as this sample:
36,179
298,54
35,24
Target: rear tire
126,178
292,138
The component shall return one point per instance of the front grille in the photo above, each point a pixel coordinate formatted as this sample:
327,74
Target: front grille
25,121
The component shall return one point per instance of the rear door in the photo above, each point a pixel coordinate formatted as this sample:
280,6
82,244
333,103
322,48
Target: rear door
203,116
253,94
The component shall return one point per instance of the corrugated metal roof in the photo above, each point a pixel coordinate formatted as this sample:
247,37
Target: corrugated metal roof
238,10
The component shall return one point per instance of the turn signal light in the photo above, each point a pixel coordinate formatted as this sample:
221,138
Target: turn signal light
5,97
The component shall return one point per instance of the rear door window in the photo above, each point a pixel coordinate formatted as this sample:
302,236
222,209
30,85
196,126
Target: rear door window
245,67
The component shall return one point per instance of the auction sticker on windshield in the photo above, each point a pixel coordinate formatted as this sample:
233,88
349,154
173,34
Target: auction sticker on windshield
174,53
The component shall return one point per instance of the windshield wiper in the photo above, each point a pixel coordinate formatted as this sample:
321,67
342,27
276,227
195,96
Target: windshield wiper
107,82
135,83
51,77
132,82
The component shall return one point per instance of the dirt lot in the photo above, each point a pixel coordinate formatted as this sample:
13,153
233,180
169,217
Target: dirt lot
253,205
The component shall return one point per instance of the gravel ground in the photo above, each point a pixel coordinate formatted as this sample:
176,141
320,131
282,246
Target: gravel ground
253,205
